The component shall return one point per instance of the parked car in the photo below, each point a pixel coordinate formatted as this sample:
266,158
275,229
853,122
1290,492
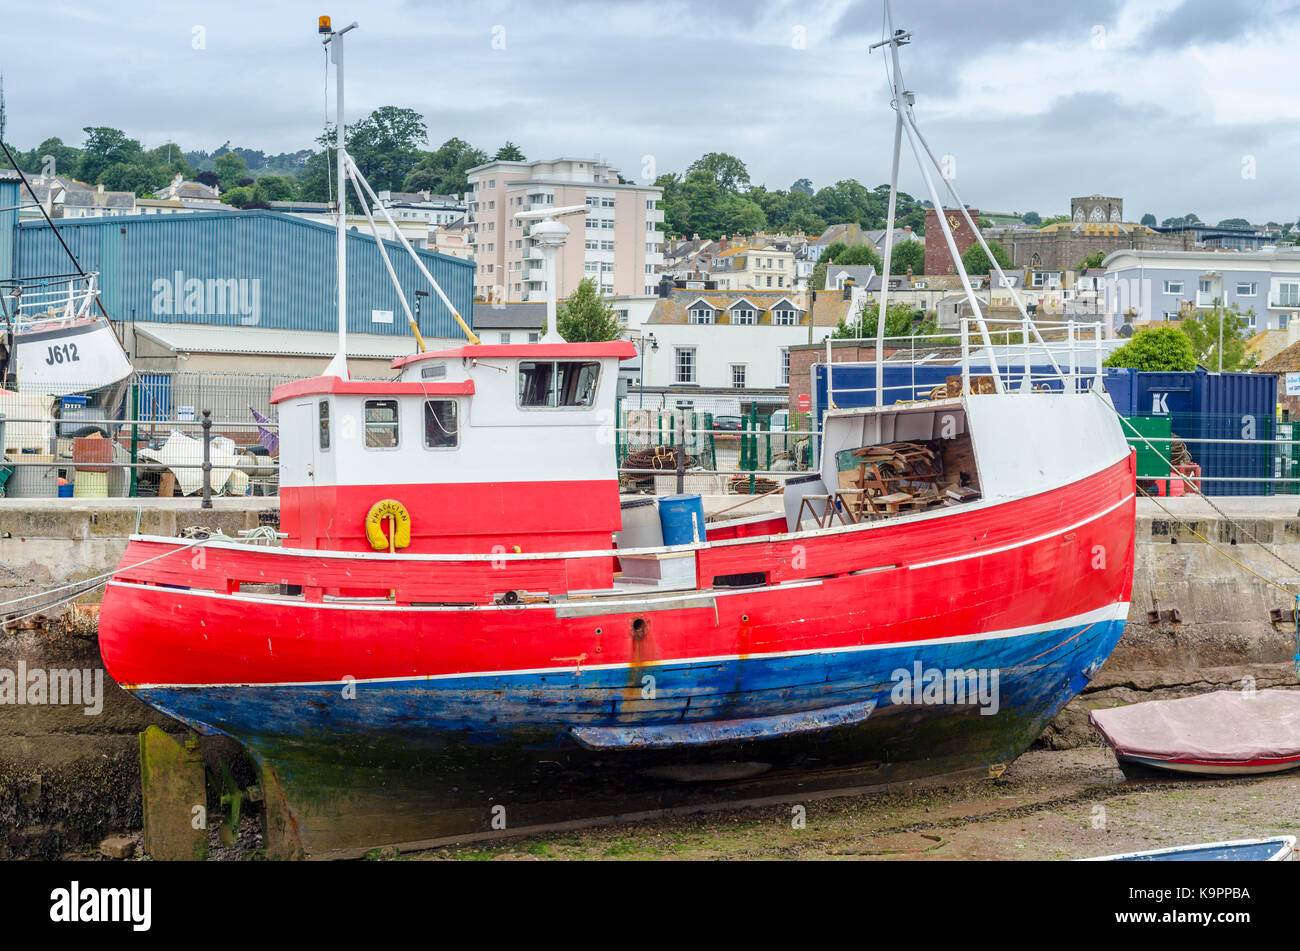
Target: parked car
728,424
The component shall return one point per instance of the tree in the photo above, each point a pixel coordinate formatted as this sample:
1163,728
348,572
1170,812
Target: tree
907,255
1159,348
858,255
1203,332
442,171
900,319
208,178
510,153
1149,220
238,197
1091,261
105,147
230,168
66,158
586,316
271,188
386,146
133,177
1031,218
975,261
728,172
1234,223
803,185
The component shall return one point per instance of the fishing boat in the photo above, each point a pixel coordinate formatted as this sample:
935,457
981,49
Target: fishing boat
1222,733
466,631
1277,849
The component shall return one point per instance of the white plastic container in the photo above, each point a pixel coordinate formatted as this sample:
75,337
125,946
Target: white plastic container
641,527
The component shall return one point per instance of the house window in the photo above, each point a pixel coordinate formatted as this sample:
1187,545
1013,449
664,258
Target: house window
381,424
744,315
784,317
1173,287
702,315
1288,294
323,409
563,383
505,337
785,368
1247,289
685,362
738,376
1205,287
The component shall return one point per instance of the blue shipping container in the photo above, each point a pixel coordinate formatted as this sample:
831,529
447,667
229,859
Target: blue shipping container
1204,405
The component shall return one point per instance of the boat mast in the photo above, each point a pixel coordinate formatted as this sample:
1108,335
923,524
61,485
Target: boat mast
334,39
895,40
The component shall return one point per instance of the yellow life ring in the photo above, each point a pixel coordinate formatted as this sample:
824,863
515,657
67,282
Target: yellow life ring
401,528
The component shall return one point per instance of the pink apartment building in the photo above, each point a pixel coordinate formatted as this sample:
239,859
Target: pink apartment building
618,243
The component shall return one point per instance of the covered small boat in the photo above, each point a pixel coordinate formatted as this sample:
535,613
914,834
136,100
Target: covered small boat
1280,848
1224,733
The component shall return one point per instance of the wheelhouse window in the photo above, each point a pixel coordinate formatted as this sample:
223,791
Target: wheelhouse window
323,413
381,424
558,383
441,430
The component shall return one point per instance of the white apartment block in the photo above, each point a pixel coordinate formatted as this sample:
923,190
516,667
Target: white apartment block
1159,285
619,242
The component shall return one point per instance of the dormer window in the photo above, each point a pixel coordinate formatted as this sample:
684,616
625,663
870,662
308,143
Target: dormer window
744,315
701,315
558,383
785,317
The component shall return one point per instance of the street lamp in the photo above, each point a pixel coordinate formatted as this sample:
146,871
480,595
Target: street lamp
654,346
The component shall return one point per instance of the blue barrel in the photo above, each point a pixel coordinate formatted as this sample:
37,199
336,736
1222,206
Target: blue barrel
682,517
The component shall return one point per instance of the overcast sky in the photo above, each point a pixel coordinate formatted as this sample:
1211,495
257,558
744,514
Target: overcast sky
1175,106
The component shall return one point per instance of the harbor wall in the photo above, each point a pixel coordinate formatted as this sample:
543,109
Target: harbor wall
68,778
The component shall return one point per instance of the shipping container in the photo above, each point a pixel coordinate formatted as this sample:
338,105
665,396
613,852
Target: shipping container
1203,405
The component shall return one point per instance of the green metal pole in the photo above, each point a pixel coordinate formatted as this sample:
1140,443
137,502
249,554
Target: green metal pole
135,433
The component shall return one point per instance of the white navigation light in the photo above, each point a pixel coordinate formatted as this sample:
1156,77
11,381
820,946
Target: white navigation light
549,235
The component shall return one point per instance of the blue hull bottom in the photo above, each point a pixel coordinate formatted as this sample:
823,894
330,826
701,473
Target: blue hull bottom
421,759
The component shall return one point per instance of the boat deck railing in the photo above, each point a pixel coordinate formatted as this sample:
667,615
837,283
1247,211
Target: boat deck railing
990,355
35,304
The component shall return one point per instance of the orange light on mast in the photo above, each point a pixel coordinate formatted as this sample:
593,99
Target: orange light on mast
324,26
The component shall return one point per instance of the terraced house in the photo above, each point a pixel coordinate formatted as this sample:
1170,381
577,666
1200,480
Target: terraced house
754,269
723,341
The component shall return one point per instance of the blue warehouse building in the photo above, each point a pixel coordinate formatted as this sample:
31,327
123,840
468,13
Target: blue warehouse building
250,291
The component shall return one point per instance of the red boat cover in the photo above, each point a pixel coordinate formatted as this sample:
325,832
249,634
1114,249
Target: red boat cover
1228,726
